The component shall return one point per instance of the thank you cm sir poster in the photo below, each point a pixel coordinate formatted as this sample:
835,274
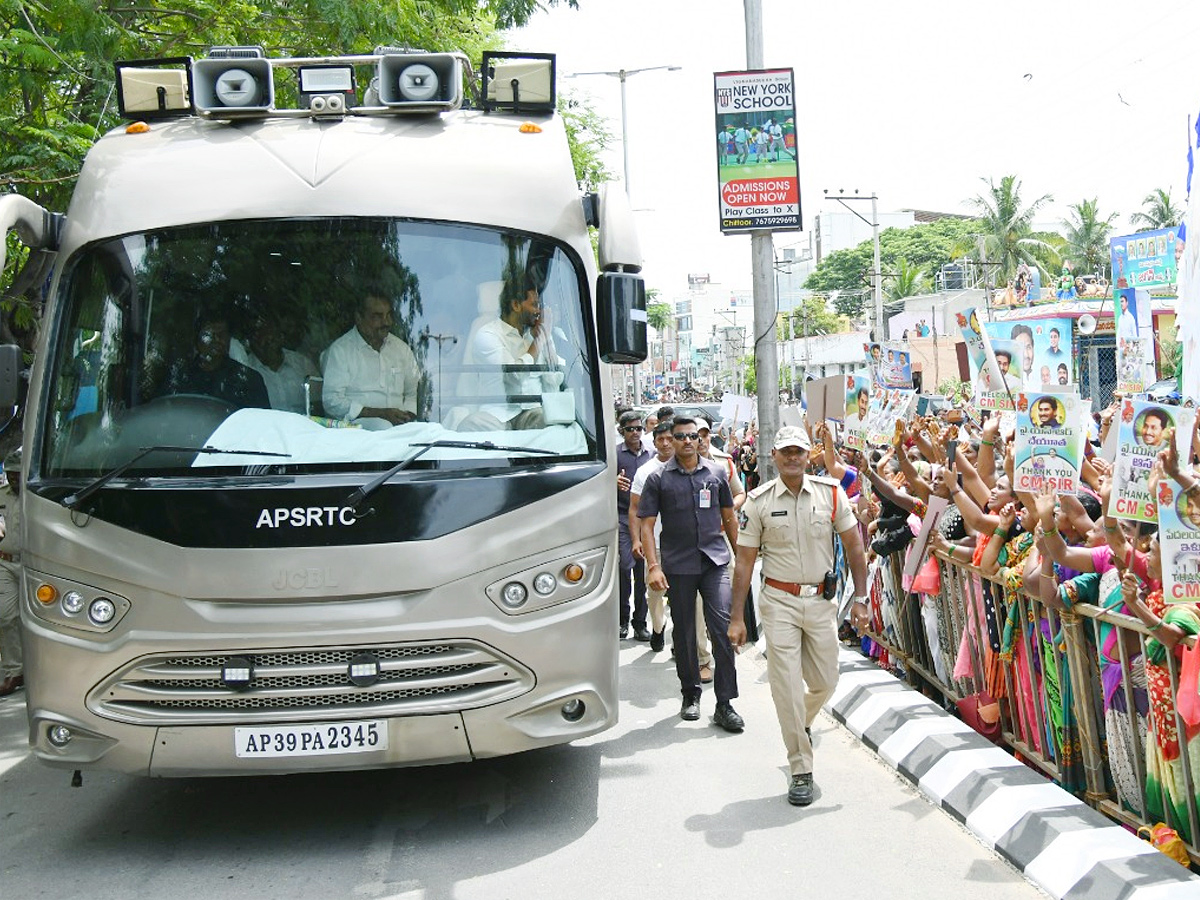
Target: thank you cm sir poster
756,151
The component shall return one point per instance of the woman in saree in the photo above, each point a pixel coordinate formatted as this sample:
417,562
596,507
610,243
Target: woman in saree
1004,559
1167,752
1099,582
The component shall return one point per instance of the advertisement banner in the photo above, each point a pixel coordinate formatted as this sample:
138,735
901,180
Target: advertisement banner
858,405
1044,348
757,172
1145,260
889,366
1048,448
1141,435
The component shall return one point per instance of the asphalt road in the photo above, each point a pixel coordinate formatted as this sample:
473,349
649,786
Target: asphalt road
656,807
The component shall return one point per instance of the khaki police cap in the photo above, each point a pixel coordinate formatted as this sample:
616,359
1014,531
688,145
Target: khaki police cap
792,436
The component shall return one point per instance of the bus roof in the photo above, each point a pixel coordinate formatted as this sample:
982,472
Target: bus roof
465,166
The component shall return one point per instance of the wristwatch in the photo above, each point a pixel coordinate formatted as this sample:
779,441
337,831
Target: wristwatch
862,598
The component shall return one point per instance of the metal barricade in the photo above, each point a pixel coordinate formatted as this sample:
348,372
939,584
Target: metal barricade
1075,697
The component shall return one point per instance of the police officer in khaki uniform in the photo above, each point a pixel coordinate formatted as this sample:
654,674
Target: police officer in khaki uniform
791,521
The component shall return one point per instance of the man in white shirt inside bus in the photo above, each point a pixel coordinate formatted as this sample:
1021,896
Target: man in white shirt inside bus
519,337
371,376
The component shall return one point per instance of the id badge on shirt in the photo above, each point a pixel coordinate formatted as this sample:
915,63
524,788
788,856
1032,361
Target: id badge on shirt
705,498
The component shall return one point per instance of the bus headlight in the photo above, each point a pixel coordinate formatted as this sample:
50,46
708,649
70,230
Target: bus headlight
514,595
102,611
72,603
548,582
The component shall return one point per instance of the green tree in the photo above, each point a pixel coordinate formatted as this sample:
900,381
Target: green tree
1006,227
659,316
1158,212
56,73
908,280
928,246
812,317
588,137
57,93
1086,237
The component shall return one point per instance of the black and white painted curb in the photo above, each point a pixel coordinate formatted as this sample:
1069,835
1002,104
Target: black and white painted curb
1061,844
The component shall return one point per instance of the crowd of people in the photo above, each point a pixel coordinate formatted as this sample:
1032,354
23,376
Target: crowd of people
1058,550
1035,555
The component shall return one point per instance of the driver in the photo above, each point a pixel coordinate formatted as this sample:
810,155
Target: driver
210,372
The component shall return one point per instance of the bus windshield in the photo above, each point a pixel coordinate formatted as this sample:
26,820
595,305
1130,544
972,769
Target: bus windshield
341,344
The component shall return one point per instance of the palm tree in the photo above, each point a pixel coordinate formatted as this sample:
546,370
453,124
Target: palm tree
1086,236
908,281
1158,213
660,318
1006,226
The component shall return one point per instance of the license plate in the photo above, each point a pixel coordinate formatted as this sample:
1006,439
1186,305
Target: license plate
310,740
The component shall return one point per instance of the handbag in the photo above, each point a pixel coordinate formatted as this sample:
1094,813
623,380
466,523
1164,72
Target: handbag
982,712
928,579
1166,840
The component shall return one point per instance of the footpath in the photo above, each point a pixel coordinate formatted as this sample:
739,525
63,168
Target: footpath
1061,844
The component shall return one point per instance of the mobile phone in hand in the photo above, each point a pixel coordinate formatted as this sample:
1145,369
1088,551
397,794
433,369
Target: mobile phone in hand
951,453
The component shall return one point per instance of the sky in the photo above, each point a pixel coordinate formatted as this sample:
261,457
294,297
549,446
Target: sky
914,101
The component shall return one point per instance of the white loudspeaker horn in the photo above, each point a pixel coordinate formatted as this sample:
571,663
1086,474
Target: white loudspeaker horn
228,88
1086,324
426,81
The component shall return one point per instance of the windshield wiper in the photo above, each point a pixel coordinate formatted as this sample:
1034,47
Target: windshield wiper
358,495
74,501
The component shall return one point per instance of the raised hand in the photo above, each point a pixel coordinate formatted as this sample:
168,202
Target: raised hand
1044,500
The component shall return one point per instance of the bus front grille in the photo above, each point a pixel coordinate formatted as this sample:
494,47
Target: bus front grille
408,679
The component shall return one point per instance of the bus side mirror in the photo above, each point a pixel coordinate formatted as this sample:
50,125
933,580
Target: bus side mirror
10,375
621,317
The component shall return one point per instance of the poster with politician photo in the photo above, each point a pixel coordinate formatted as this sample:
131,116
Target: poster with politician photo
889,366
1179,541
1044,349
858,406
1048,450
1142,434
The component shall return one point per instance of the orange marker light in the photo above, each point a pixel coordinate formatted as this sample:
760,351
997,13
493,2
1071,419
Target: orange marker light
137,128
573,573
530,128
46,594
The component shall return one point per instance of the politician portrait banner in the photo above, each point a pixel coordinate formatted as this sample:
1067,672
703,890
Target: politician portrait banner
1048,449
1145,260
989,375
858,406
757,171
1044,349
1143,432
889,366
1179,542
1135,340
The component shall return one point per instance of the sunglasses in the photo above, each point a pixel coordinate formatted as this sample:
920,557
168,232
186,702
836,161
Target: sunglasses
632,428
689,436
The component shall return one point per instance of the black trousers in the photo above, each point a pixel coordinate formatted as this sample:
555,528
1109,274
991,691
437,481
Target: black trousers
713,587
632,579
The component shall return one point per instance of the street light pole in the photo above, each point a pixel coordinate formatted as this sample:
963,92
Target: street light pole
623,75
877,272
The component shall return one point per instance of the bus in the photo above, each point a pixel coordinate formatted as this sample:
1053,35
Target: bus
317,443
